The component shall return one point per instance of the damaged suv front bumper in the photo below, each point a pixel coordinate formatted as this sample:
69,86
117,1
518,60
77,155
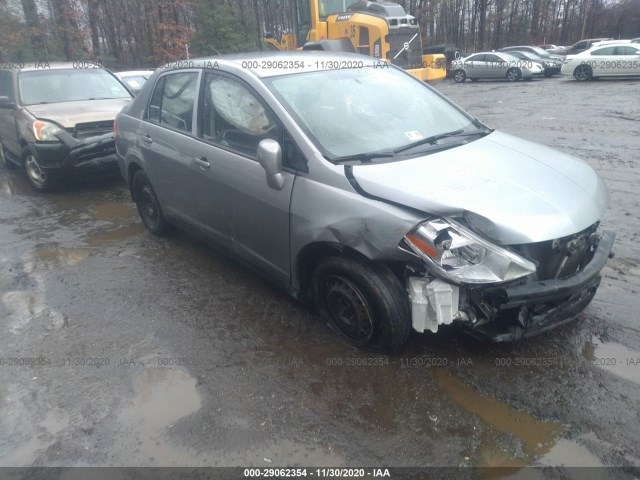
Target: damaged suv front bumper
513,311
73,157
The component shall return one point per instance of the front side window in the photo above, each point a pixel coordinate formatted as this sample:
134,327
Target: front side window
68,85
172,100
604,51
343,114
233,117
6,85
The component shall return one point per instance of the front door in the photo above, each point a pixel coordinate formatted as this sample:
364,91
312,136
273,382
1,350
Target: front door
233,185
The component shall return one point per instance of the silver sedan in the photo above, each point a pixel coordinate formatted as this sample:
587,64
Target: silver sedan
495,65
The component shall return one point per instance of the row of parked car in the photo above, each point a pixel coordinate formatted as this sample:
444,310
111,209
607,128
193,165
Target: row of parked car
599,58
391,216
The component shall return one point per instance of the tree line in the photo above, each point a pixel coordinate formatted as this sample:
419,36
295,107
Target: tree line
131,34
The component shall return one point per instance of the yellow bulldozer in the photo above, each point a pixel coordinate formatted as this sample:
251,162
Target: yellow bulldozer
380,29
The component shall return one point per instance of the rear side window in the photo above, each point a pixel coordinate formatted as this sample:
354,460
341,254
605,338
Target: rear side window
6,85
172,101
627,51
604,51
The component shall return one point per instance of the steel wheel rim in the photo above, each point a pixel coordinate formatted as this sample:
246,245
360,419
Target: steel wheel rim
348,309
148,203
35,173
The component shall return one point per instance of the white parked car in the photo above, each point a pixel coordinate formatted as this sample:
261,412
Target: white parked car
620,59
135,78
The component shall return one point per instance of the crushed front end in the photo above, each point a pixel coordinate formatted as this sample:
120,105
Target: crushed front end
496,292
86,147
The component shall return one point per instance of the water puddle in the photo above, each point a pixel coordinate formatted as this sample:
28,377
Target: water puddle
614,358
104,237
113,211
540,440
59,256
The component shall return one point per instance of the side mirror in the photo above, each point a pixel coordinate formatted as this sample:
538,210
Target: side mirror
270,158
6,103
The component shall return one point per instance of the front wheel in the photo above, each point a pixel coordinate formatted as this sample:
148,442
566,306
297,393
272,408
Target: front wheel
514,74
362,302
39,179
583,73
459,76
148,205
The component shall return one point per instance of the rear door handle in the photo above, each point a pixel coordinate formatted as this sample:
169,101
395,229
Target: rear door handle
146,138
203,162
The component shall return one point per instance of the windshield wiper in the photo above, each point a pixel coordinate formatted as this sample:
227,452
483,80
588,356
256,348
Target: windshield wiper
433,140
362,157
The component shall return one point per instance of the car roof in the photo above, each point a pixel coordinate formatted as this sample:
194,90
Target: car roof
265,64
44,65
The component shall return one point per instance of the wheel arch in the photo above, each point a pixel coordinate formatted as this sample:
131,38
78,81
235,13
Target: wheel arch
312,254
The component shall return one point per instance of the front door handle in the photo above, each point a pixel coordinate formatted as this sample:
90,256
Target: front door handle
146,138
203,162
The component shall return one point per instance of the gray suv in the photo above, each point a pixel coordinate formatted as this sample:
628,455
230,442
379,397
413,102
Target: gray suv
351,183
56,120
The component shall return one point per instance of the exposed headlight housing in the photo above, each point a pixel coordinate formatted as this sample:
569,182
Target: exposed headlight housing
45,131
459,255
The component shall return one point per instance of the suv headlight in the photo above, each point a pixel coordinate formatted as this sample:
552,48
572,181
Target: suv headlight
461,256
45,131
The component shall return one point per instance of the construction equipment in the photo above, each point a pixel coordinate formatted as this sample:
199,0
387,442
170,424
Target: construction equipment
380,29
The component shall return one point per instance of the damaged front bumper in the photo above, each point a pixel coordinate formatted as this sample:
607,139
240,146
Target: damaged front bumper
508,312
74,157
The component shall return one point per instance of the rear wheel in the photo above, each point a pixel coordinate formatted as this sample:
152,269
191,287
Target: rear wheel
39,179
148,206
459,76
514,74
583,73
363,303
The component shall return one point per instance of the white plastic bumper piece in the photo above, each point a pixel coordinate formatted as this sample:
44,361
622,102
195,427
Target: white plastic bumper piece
432,303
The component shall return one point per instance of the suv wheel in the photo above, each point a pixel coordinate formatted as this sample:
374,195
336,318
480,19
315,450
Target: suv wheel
362,302
148,206
38,178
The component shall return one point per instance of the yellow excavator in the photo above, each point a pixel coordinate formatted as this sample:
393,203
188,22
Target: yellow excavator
380,29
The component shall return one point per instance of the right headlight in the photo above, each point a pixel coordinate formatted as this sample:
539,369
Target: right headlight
45,131
458,254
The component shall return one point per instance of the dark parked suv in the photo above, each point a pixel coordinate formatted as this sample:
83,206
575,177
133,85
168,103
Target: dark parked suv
56,120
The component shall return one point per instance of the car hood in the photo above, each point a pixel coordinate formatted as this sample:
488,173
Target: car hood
526,191
69,114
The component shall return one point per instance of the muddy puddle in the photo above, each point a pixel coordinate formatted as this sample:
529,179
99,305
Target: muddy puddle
541,441
614,358
59,256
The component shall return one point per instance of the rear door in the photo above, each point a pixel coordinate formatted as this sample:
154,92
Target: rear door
167,143
232,189
8,130
629,57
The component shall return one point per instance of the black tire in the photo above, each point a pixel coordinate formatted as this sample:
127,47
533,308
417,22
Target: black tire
548,74
148,205
364,303
5,160
514,74
39,180
459,76
583,73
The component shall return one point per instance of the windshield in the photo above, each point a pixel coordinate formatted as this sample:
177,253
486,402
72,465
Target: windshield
58,85
354,111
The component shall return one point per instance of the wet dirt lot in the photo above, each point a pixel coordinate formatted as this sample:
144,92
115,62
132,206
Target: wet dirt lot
118,348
